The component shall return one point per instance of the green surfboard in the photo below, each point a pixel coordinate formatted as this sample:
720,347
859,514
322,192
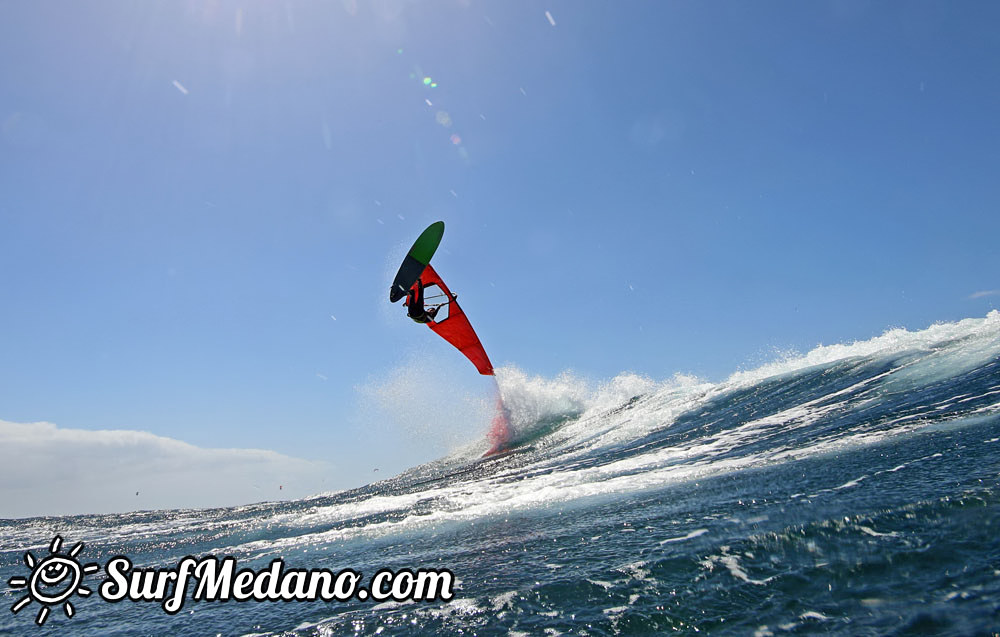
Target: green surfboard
416,260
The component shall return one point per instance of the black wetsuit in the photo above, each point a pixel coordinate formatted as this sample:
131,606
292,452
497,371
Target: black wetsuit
415,305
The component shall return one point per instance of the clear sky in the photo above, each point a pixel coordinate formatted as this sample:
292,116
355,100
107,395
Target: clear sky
202,203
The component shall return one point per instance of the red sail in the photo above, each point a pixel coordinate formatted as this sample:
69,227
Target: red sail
455,327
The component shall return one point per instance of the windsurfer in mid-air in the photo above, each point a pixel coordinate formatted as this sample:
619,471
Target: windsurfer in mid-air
416,282
415,308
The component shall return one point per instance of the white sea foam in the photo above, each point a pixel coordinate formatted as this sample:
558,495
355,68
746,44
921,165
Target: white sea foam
608,415
982,336
692,534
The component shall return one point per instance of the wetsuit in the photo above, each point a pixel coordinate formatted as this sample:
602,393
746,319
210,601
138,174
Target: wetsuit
415,305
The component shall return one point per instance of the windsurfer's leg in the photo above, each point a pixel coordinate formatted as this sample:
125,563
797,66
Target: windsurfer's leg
413,308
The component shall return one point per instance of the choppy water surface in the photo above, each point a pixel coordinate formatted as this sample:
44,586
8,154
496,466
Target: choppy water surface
855,490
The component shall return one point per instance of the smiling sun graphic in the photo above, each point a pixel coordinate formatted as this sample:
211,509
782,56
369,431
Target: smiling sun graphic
54,579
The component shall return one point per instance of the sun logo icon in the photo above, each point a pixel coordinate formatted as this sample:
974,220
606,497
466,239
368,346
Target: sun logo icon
54,579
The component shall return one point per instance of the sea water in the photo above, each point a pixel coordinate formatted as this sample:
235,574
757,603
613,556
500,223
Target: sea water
854,490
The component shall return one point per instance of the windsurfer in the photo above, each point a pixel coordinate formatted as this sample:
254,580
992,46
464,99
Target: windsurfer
415,308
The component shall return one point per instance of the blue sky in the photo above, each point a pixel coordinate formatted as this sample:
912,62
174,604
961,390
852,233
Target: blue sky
190,192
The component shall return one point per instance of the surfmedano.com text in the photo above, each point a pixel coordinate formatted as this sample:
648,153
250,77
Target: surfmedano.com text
217,579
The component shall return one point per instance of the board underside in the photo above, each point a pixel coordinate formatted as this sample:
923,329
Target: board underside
416,260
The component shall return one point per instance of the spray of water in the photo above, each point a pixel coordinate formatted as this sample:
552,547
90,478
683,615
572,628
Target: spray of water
500,433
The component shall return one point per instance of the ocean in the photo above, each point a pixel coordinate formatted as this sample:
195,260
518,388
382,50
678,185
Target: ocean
853,490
